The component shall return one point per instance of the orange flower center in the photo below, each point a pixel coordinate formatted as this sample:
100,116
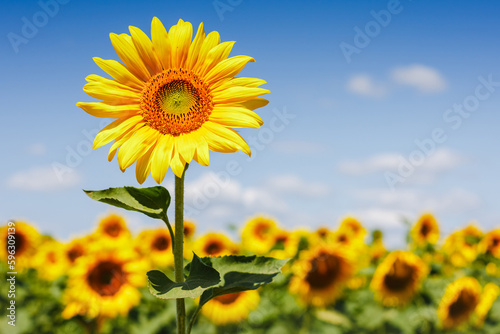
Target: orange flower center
463,305
74,253
176,101
161,243
113,229
228,299
106,278
214,248
324,270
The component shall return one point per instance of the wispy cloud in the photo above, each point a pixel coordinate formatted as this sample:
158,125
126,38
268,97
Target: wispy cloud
423,78
364,85
42,178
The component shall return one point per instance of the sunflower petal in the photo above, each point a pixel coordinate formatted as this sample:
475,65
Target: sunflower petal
100,109
118,71
113,130
161,43
181,35
232,137
236,117
145,49
195,47
239,81
127,52
212,40
177,164
110,90
161,157
143,166
215,56
121,139
135,146
227,68
238,94
201,155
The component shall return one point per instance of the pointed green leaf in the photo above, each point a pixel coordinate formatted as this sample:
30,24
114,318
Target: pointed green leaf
240,273
201,277
152,201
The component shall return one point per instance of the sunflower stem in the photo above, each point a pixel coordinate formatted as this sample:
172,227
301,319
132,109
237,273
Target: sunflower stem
167,222
178,248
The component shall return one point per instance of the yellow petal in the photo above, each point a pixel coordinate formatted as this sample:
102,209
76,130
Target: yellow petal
202,155
118,71
136,146
227,68
240,81
127,52
177,164
195,47
161,42
145,49
116,128
121,139
209,42
110,90
143,166
232,137
215,56
238,94
161,157
235,117
100,109
180,35
253,104
186,146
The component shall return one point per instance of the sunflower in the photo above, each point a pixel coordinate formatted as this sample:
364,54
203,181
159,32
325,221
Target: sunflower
156,245
50,260
398,278
490,244
214,244
20,240
459,301
113,227
488,297
352,226
174,99
286,244
258,235
425,231
104,282
76,248
461,247
320,274
189,229
231,308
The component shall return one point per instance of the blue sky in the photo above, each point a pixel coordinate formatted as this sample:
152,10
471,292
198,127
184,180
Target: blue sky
340,128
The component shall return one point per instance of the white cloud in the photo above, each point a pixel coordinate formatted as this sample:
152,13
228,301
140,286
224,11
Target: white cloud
377,218
292,184
441,160
364,85
43,178
423,78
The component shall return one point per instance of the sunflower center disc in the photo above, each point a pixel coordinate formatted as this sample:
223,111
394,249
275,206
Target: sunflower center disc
106,278
324,270
400,276
175,102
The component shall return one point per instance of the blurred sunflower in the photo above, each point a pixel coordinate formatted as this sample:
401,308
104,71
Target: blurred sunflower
231,308
50,260
425,231
174,99
214,244
459,301
377,248
258,235
490,243
189,229
113,227
156,246
286,244
354,228
398,278
76,248
104,282
461,247
26,240
488,297
320,274
322,234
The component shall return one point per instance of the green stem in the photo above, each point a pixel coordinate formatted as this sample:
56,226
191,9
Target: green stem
178,249
167,222
193,318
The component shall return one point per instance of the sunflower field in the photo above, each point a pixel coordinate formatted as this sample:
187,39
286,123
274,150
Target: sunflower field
337,279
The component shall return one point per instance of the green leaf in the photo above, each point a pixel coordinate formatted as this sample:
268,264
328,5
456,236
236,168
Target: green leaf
153,201
240,273
201,278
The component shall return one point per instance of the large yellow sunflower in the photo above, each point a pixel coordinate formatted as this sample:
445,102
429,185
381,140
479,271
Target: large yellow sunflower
20,240
425,231
258,235
104,282
488,297
320,274
174,99
398,278
461,247
231,308
214,244
156,246
459,301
